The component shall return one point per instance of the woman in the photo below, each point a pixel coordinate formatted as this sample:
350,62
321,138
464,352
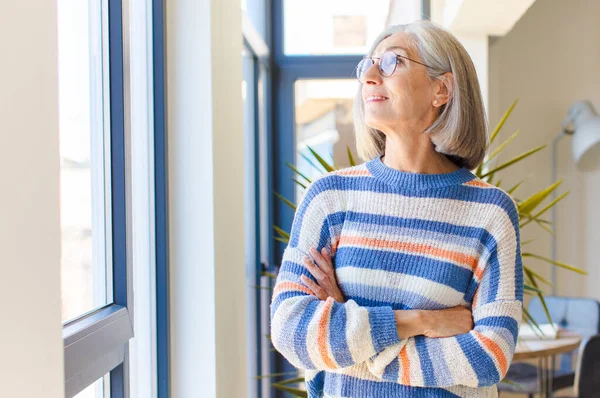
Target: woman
403,275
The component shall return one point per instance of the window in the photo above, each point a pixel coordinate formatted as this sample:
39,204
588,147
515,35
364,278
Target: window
84,136
338,27
324,123
108,202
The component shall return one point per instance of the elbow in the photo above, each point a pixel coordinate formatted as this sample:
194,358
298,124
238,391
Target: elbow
491,376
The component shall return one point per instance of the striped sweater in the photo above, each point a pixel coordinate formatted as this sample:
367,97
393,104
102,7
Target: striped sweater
401,241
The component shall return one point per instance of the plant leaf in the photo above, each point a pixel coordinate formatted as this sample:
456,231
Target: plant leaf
532,322
534,200
322,161
532,289
320,170
282,240
281,232
291,166
514,188
295,391
292,381
275,375
502,121
287,202
558,263
540,294
299,183
555,201
515,160
538,276
501,147
350,157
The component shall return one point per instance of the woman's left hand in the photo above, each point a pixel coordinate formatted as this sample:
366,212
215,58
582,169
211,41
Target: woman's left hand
324,273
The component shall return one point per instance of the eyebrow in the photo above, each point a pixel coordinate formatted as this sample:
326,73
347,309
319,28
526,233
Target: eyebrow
394,47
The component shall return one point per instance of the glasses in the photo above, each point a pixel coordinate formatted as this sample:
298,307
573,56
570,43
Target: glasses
386,64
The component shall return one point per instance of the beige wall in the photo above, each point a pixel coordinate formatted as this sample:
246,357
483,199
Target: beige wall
550,59
31,346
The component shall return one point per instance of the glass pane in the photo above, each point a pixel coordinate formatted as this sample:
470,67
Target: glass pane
323,113
339,26
82,57
100,389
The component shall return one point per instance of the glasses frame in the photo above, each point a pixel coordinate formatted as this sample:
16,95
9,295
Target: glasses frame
372,59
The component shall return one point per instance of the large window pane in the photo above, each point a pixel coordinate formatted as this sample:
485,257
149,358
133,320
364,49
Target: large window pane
316,27
323,113
83,113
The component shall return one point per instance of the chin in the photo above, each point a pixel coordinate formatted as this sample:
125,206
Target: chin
377,123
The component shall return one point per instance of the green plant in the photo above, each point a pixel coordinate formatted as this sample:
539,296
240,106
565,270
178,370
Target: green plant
529,212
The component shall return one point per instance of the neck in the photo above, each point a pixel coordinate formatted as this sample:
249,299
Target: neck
415,155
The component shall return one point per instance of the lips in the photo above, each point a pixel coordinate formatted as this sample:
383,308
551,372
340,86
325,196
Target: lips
376,98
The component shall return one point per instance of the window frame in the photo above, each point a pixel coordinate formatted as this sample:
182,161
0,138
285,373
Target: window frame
259,51
96,343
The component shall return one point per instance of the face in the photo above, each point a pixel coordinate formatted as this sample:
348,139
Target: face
404,100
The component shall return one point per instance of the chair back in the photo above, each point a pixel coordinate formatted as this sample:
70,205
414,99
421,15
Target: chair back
587,381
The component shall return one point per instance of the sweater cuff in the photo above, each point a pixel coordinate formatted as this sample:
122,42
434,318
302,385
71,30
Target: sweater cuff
383,327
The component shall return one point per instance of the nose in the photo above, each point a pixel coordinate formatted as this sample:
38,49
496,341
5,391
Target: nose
372,76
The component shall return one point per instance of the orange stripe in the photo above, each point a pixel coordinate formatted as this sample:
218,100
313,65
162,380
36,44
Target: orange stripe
290,286
405,365
323,329
354,173
495,349
478,183
418,248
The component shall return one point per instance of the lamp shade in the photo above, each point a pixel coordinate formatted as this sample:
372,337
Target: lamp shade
586,136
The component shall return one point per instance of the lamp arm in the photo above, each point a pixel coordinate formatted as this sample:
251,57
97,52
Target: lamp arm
555,141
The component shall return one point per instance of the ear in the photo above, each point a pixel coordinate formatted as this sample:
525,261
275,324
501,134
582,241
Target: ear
443,89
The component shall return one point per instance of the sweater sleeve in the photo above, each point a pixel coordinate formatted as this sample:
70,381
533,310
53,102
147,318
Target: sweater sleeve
482,356
315,334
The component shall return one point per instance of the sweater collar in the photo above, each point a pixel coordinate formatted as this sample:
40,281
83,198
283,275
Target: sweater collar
416,181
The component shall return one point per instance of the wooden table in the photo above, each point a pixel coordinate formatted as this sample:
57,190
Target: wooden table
545,351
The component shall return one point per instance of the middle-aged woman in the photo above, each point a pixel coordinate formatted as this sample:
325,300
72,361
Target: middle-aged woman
403,275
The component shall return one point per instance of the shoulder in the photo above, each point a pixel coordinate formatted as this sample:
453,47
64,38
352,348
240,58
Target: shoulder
498,199
339,179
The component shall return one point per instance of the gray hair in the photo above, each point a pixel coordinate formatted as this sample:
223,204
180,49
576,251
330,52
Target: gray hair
460,131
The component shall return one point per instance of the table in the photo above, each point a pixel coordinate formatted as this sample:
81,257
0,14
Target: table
545,350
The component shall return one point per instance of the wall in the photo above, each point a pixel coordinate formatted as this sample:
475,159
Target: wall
206,199
549,60
31,332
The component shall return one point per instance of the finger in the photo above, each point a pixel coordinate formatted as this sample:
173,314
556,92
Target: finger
326,255
313,269
317,290
321,261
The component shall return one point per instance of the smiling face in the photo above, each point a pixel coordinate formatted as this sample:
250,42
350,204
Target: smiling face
404,100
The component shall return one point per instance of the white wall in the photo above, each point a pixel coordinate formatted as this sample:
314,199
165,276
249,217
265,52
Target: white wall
549,60
31,344
206,199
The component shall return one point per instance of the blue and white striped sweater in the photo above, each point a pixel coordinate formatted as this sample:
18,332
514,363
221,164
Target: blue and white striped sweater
401,241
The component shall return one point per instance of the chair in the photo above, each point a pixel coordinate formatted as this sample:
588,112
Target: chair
581,315
587,381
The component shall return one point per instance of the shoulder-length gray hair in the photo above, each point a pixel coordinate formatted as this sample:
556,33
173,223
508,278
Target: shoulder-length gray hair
460,131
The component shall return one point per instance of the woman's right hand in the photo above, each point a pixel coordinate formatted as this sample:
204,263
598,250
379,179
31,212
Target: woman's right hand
448,322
